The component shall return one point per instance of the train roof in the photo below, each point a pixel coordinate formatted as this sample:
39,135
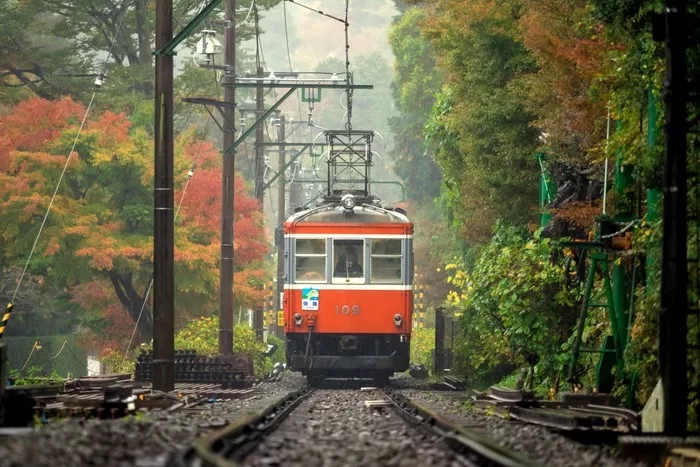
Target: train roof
362,214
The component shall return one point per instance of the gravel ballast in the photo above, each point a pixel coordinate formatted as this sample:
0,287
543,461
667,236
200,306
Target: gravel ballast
142,441
335,428
535,442
331,427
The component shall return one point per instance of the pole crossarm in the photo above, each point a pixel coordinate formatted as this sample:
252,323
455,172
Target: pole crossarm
221,106
295,84
269,144
168,48
286,165
260,119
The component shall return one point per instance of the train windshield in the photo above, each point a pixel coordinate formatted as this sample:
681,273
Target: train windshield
310,260
348,258
385,261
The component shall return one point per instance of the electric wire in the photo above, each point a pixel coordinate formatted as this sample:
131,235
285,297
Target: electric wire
53,197
65,341
98,83
252,5
320,12
190,174
29,357
289,59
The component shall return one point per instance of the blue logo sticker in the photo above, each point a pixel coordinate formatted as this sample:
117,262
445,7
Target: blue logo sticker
309,299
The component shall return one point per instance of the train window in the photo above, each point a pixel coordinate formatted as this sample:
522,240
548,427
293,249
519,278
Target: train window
310,260
348,260
385,261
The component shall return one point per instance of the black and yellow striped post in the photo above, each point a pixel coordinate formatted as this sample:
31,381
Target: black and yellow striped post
6,318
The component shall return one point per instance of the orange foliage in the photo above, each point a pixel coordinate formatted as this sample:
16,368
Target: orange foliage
570,56
87,221
35,122
113,128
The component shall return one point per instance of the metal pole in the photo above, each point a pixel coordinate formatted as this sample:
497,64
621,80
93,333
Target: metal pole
227,188
258,314
439,363
605,171
281,216
163,243
673,325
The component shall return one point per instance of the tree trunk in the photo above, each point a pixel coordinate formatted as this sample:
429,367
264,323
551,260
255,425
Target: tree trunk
133,303
143,34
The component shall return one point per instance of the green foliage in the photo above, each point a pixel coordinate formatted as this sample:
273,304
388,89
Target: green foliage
512,302
278,356
51,59
202,335
422,345
35,375
50,357
416,80
114,362
480,132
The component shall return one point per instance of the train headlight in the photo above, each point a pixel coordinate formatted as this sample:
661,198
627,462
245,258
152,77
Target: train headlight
297,319
348,201
398,320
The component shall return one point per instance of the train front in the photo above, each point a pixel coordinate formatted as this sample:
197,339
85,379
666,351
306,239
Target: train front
348,291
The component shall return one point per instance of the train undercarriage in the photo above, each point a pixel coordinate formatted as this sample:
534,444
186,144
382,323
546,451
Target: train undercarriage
362,356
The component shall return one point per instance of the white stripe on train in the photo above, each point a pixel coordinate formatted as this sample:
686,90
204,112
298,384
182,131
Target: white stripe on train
342,236
384,287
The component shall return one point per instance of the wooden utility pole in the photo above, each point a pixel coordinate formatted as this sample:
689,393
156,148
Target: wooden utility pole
258,313
227,198
281,217
163,216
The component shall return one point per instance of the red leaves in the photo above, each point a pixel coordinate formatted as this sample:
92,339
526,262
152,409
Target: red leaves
201,207
102,211
35,122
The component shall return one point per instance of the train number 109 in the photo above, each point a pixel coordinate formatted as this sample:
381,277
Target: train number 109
347,309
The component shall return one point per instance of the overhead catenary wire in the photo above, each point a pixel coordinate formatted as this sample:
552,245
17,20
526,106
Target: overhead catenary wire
320,12
289,58
349,91
97,84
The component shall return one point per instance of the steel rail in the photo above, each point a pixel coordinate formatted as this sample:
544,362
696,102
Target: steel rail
482,451
229,446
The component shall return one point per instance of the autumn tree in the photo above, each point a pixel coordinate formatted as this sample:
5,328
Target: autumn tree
569,47
97,240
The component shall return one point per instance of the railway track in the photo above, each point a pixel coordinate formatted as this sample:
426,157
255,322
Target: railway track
343,427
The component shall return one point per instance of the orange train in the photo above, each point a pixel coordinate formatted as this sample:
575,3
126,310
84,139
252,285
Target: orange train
348,297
